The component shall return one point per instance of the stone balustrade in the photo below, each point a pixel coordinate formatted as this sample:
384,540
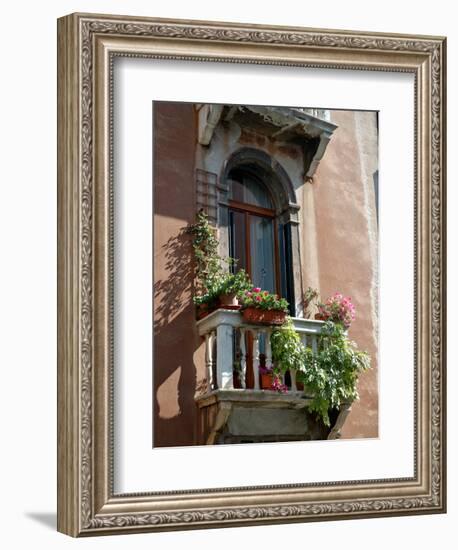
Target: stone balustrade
226,341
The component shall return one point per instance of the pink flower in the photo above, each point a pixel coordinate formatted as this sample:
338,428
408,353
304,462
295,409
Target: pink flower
339,309
258,298
256,289
278,386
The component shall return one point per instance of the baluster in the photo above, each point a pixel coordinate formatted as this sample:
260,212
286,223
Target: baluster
256,359
209,359
314,343
303,337
242,358
268,349
292,374
224,357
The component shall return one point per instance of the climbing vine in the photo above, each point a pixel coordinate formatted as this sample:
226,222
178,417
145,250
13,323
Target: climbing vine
212,271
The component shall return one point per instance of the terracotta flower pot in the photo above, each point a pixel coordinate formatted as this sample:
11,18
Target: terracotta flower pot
266,381
202,310
257,316
230,300
319,317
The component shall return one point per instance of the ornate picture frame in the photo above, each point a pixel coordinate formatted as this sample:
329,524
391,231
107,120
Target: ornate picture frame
87,46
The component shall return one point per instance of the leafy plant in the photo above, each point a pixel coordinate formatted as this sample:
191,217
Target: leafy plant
331,373
208,268
262,299
234,283
212,275
288,352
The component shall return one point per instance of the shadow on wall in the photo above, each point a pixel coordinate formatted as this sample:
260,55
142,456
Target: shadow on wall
175,342
172,293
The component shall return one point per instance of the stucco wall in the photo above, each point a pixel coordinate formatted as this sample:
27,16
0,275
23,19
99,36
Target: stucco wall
177,360
346,243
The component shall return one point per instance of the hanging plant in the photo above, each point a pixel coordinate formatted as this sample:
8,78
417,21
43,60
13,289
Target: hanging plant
288,352
331,373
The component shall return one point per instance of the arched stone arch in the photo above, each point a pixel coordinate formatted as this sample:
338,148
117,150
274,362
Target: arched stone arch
272,173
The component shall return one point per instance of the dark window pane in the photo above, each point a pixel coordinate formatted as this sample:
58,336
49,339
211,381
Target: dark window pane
289,279
262,253
236,190
247,188
282,260
237,236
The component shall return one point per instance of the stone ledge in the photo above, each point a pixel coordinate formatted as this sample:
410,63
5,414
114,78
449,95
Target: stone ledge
261,398
245,415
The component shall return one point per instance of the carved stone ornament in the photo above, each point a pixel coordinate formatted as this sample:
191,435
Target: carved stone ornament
87,45
289,124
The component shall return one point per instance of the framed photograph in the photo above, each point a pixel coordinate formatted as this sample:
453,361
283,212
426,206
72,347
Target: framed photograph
251,290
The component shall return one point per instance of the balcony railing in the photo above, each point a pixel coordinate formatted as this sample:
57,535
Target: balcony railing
226,345
322,114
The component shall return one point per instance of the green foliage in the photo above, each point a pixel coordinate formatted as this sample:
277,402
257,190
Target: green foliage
331,373
212,275
207,260
288,352
234,283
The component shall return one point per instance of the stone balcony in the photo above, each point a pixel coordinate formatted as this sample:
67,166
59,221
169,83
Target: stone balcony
242,412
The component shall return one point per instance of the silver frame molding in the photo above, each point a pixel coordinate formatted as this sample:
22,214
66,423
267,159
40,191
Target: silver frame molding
87,45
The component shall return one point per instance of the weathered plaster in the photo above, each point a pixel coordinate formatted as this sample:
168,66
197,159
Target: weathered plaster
309,238
344,210
167,396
